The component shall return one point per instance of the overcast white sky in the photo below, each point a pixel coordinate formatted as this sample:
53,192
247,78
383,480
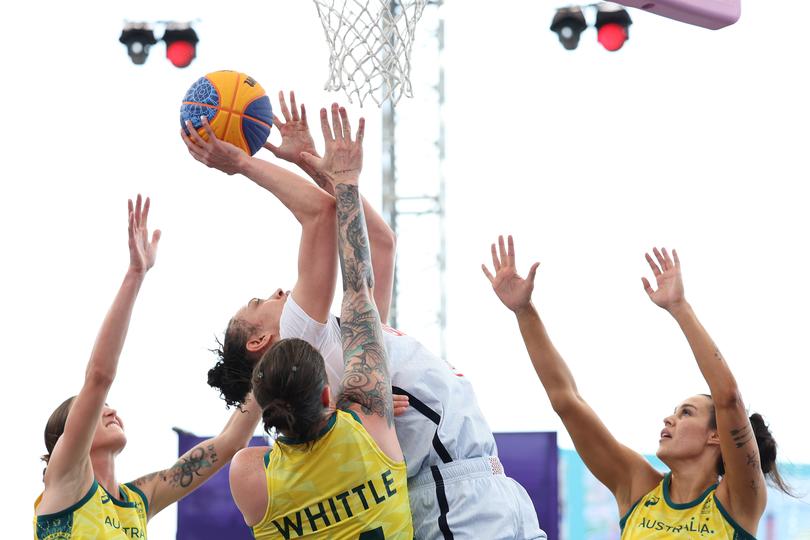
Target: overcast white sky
685,138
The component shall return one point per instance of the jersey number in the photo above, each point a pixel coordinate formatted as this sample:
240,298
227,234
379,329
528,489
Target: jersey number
376,534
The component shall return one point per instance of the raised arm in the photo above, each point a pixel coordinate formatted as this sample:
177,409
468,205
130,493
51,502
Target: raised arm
742,489
296,139
196,466
69,472
366,384
625,472
310,205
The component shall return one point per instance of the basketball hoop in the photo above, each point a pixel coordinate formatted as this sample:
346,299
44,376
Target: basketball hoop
370,43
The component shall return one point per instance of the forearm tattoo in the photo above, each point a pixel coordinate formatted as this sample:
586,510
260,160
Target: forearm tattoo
182,473
741,436
365,380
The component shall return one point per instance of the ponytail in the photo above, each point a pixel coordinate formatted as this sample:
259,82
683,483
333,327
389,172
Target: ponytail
767,451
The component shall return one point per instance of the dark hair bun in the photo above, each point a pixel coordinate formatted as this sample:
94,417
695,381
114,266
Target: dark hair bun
765,442
232,379
279,414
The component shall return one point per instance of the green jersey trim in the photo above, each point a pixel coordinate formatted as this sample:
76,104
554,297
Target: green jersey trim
140,493
293,440
73,508
683,506
742,534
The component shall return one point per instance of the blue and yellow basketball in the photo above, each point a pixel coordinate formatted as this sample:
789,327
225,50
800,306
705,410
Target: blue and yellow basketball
236,106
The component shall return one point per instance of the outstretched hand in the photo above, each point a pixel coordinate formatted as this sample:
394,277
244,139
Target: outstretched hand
294,130
514,291
142,252
343,158
214,153
667,272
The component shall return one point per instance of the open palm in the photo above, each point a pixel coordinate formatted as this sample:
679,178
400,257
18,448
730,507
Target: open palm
667,272
294,130
142,251
514,291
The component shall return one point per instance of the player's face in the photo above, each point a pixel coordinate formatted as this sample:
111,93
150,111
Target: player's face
109,431
264,313
686,431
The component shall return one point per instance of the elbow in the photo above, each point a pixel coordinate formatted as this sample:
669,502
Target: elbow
324,206
388,240
320,208
99,378
728,398
228,447
563,403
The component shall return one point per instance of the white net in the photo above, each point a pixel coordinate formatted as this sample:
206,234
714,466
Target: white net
370,43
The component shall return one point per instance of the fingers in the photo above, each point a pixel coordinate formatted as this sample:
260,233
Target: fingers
284,110
295,116
309,159
145,213
361,131
304,116
496,263
194,135
138,210
510,252
667,259
490,277
502,251
532,272
185,136
130,208
208,129
156,238
336,127
660,258
131,222
655,270
344,119
647,287
327,131
401,404
677,260
272,147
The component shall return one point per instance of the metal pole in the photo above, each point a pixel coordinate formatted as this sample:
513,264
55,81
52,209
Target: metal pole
389,171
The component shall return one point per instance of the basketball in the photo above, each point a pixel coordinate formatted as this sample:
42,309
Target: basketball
236,106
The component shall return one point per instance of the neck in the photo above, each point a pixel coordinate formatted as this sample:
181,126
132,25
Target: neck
688,481
104,470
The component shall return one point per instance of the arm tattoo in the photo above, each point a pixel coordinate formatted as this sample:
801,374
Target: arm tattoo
365,380
355,256
741,436
752,460
182,473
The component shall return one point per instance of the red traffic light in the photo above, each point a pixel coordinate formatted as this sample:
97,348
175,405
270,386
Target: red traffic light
180,53
181,44
612,36
613,24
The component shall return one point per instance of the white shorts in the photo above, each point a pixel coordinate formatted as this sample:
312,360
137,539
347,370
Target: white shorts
471,499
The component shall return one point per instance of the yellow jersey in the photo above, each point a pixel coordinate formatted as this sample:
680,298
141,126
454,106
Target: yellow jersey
655,516
97,516
338,486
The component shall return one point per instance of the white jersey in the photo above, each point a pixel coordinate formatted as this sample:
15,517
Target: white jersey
443,422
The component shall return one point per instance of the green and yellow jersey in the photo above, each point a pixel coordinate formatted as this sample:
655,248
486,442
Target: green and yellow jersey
655,516
338,486
97,516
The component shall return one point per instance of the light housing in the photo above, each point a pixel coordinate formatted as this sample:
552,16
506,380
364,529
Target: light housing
138,37
181,44
613,25
569,23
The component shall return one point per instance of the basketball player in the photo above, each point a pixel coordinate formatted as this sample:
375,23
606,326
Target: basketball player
717,454
333,473
457,486
82,499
